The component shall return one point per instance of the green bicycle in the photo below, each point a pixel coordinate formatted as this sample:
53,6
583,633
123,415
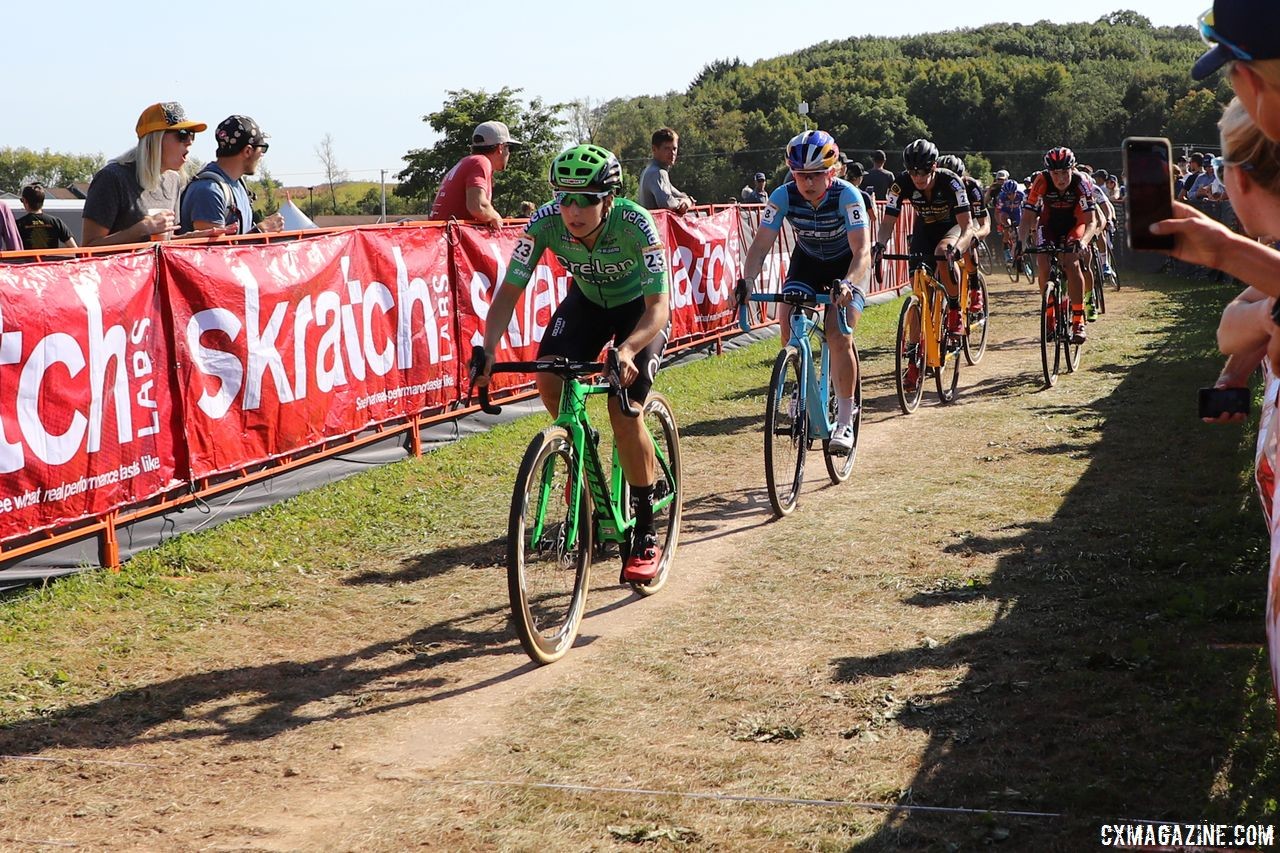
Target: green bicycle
565,509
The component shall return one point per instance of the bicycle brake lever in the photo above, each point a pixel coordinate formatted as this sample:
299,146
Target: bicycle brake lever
614,370
475,368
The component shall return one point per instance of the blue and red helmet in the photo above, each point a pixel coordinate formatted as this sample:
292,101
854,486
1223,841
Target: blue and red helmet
812,151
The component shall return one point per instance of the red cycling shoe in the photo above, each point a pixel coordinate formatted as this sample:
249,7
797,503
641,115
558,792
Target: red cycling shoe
642,566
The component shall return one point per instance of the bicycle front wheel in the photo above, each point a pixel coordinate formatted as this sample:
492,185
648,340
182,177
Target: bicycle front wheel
785,433
549,547
1099,286
910,356
975,342
947,376
667,495
840,467
1070,351
1049,357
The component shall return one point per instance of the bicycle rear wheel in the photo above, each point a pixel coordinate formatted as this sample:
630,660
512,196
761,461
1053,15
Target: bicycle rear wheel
839,467
667,495
975,343
947,376
909,355
786,433
1049,354
547,574
982,256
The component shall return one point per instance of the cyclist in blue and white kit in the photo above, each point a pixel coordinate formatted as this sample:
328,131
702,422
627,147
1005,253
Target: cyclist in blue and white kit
1009,214
830,222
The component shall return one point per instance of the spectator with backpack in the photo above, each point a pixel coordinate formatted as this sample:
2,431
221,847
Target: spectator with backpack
217,196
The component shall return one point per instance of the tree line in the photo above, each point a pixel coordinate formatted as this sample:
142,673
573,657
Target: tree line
1000,94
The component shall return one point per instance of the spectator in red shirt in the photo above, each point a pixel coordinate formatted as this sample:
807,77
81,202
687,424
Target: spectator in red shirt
467,191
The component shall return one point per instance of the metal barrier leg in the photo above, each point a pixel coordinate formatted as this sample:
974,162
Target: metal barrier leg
109,552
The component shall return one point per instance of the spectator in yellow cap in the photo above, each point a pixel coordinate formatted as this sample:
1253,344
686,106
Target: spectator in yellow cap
135,196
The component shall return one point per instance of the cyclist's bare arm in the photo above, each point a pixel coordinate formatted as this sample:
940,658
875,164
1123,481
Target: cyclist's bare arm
761,243
657,313
887,221
495,324
861,263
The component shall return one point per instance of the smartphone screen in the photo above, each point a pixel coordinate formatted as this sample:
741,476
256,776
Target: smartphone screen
1148,176
1215,402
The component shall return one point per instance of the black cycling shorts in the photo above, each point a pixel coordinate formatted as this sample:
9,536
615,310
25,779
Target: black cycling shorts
580,328
819,274
925,239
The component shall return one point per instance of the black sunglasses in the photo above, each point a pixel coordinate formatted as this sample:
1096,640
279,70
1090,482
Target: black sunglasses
263,147
184,135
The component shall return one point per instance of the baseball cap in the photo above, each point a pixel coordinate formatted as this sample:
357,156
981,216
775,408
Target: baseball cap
1100,175
878,156
760,176
855,170
1002,175
167,115
493,133
1238,29
234,133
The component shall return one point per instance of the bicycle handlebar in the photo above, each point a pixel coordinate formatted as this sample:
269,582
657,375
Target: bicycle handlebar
793,298
559,365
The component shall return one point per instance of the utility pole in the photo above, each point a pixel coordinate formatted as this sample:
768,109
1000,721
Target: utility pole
803,109
311,201
383,177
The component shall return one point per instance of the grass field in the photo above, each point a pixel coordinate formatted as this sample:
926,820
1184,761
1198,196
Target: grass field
1031,601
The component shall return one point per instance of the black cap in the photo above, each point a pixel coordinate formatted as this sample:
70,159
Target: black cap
1250,26
234,133
878,156
855,170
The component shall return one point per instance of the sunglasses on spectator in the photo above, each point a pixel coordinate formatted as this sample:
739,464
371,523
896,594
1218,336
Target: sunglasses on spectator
1212,38
263,147
581,199
184,135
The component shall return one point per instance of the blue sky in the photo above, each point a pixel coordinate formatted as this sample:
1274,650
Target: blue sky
367,72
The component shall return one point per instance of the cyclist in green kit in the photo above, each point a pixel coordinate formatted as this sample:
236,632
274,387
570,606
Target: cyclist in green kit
618,292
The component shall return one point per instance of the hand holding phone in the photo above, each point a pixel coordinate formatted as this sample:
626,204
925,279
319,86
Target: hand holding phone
1224,405
1148,175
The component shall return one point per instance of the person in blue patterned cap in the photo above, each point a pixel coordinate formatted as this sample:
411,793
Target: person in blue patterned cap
218,196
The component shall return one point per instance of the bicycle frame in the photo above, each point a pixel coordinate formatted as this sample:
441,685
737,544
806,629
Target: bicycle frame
933,300
814,391
606,492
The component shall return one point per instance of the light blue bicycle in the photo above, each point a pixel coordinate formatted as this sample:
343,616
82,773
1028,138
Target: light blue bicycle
801,406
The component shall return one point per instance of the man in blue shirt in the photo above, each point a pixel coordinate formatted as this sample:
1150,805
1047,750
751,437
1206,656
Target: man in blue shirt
218,196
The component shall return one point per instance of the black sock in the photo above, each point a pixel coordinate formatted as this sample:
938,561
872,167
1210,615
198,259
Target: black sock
642,504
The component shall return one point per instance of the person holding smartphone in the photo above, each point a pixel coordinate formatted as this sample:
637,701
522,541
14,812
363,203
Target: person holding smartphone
1244,36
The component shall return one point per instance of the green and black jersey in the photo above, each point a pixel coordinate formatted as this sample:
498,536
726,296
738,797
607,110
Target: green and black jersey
628,261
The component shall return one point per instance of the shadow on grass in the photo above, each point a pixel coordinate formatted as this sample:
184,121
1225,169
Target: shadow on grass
434,563
1122,676
256,703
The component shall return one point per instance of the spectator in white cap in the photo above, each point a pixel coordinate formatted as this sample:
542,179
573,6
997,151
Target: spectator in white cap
467,191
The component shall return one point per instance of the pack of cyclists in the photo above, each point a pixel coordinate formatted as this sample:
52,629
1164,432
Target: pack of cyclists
619,289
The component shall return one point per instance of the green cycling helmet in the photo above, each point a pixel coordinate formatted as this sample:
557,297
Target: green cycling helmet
585,166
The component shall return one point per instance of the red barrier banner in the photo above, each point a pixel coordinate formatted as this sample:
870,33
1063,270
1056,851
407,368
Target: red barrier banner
284,346
705,260
480,263
86,420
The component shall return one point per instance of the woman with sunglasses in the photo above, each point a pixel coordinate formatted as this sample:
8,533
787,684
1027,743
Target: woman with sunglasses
136,195
618,292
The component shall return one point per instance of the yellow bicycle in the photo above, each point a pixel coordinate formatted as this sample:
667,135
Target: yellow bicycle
924,345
